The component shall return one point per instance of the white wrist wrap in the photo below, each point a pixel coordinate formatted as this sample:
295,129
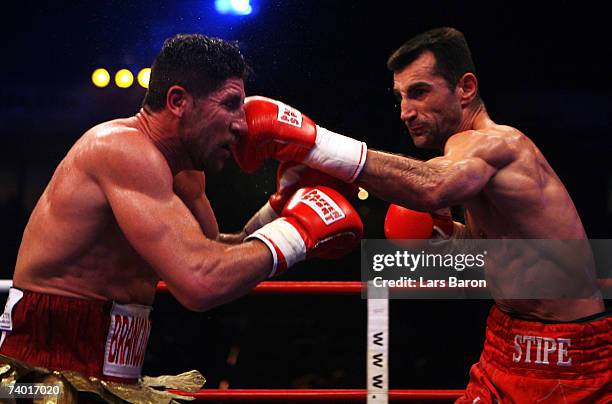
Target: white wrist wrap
337,155
282,236
263,216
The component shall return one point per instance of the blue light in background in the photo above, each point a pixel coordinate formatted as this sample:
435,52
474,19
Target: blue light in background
235,7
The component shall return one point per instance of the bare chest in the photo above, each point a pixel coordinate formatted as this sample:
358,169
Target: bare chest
123,275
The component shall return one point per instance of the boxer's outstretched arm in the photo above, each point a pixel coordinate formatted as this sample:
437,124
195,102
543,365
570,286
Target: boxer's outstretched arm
200,273
437,183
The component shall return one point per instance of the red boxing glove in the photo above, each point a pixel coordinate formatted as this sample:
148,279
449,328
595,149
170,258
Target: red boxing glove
403,223
290,177
315,222
276,130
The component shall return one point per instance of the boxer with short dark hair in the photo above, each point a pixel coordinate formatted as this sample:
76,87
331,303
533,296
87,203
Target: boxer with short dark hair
127,207
536,350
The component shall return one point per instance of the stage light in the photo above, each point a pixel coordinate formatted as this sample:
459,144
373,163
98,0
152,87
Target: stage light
235,7
363,194
100,77
124,78
144,76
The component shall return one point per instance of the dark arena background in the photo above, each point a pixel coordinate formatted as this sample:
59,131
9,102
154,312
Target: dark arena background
545,72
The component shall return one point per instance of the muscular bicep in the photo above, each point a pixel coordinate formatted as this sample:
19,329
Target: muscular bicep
470,160
424,185
158,226
138,186
459,179
201,273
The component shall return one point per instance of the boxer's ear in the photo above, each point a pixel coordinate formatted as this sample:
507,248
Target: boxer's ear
467,88
177,100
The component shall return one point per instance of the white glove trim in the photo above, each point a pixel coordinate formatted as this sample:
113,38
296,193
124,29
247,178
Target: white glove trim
337,155
282,235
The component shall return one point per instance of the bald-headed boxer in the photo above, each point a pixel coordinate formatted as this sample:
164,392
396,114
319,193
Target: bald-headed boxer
508,190
127,207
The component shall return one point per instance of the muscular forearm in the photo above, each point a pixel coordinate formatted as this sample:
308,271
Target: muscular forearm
401,180
424,185
243,267
225,275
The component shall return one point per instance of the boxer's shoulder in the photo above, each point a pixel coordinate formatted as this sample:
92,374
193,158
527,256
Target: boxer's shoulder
509,144
117,134
119,148
493,135
497,145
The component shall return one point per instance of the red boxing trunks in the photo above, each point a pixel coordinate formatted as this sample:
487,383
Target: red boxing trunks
529,361
96,338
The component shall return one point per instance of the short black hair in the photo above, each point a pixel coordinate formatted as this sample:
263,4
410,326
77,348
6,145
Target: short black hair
196,62
448,45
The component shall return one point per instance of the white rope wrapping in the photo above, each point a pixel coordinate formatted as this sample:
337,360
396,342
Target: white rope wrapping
378,345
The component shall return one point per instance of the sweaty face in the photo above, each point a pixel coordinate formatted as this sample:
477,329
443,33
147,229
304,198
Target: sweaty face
429,108
215,123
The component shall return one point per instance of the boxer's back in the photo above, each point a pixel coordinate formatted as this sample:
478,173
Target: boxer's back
526,200
72,244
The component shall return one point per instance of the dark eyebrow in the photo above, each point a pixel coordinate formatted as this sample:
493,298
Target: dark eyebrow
411,87
418,84
233,93
232,96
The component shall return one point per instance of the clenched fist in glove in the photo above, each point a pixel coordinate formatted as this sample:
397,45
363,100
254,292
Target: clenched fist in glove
316,222
404,223
278,131
290,177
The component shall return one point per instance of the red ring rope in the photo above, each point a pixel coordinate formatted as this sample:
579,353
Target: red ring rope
344,395
304,288
332,287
